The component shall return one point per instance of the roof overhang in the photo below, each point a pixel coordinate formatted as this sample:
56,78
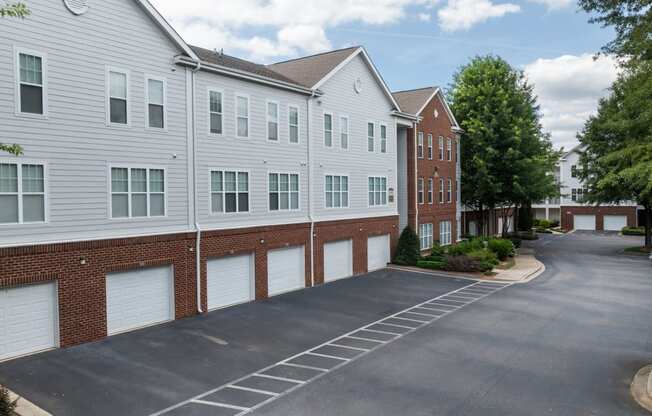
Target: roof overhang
405,119
167,28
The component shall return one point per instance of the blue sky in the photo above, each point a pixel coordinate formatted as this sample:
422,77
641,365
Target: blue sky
417,43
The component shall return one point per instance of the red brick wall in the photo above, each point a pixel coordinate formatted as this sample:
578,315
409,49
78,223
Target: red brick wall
567,213
411,180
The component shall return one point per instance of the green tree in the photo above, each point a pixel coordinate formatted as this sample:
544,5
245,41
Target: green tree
616,161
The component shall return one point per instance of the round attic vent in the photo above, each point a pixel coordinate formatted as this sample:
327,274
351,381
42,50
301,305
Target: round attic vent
76,6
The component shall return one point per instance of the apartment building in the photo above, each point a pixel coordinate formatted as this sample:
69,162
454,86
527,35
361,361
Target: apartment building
161,180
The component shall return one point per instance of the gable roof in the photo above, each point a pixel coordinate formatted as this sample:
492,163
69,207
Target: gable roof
415,101
166,27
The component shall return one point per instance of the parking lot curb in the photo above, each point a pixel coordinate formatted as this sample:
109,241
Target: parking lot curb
25,407
641,387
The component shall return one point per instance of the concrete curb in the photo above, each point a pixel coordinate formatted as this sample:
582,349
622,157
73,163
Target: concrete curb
25,407
641,387
533,275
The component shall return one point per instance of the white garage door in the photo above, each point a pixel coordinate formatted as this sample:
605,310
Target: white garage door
230,281
584,222
285,270
338,260
28,319
139,298
615,222
377,252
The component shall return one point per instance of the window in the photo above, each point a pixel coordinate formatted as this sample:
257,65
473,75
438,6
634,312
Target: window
293,122
430,151
420,145
22,193
578,194
137,192
337,191
370,136
573,171
283,191
431,185
272,121
118,97
31,83
449,150
344,132
441,191
242,116
215,112
441,148
229,191
425,235
383,138
328,130
377,191
156,103
445,234
450,191
420,190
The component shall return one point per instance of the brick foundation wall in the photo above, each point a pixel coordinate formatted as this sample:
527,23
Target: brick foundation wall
567,213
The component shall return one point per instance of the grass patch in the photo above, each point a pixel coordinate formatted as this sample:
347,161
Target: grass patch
642,251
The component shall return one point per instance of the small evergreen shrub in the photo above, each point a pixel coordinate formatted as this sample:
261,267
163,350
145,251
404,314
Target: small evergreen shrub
408,250
639,231
431,264
503,248
516,241
7,407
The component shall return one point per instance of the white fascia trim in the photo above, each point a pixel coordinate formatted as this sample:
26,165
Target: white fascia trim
167,28
438,92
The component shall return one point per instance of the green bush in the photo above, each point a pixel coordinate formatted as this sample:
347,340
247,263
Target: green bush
465,247
461,264
484,255
408,250
430,264
503,248
7,407
640,231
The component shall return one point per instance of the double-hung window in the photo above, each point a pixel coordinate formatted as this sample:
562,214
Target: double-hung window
137,192
337,191
293,124
441,190
420,145
578,194
242,115
450,191
377,190
420,190
430,150
574,171
383,138
229,191
272,121
31,83
216,116
118,97
344,132
425,235
283,191
328,130
441,148
371,132
431,184
22,193
445,234
449,150
156,103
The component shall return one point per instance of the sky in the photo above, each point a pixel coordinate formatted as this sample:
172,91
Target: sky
419,43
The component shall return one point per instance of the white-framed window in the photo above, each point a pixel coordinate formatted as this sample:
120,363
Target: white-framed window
431,185
272,121
574,171
155,92
371,133
420,190
137,192
383,138
449,150
445,234
430,145
344,132
578,194
450,191
283,191
337,191
420,145
441,190
215,111
377,191
425,235
242,115
22,193
328,130
118,97
31,85
441,148
229,191
293,124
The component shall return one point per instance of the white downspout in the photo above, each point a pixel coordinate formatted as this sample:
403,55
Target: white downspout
194,173
416,176
310,190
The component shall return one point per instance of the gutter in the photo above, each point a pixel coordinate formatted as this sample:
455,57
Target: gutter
310,198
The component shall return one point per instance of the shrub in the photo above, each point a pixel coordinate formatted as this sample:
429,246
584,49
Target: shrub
431,264
7,407
640,231
484,255
408,250
555,224
465,247
461,264
516,241
503,248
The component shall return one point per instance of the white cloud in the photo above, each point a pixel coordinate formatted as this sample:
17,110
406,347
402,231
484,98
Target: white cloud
569,88
463,14
554,4
424,17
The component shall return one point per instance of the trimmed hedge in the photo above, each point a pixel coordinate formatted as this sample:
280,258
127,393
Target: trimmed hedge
432,265
638,231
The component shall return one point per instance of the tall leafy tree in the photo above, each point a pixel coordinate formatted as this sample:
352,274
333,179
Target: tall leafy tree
617,157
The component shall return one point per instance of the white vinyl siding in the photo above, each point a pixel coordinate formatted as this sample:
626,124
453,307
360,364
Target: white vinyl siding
118,97
430,149
283,191
371,131
293,124
337,191
31,83
425,236
242,116
137,192
156,103
272,121
344,132
420,145
420,190
377,191
445,234
383,138
22,193
328,130
229,191
215,110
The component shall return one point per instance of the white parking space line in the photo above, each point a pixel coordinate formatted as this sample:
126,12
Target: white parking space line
439,304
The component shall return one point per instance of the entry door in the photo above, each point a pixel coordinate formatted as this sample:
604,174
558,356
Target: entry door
285,270
378,254
338,260
230,281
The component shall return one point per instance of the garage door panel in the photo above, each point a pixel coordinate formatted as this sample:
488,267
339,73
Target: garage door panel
230,281
338,260
285,270
584,222
615,222
378,254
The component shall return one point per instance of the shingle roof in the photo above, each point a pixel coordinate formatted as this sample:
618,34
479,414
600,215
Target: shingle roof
218,58
309,70
412,101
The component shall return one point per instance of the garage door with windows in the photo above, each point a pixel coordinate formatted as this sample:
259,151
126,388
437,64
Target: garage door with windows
230,280
584,222
28,319
139,298
615,222
338,260
378,254
285,270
